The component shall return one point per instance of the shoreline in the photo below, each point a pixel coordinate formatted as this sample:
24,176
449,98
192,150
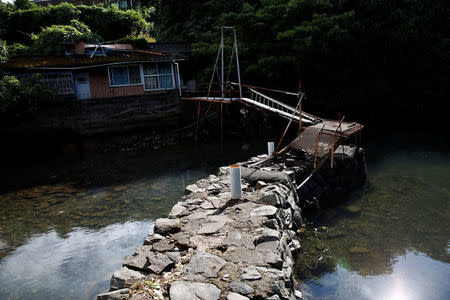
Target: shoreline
212,247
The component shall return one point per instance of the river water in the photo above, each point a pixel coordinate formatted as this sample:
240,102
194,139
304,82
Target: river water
66,223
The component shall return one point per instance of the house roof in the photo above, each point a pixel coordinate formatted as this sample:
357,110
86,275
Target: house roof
114,55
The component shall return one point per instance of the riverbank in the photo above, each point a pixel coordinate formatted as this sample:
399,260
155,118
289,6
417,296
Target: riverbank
212,247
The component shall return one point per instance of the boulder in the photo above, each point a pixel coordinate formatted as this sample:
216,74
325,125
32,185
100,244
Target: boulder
192,188
163,246
203,265
153,238
240,288
138,260
158,262
177,211
165,226
235,296
250,273
182,290
254,175
211,227
124,278
264,211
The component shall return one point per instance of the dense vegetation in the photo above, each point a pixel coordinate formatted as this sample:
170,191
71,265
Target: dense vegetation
27,29
352,52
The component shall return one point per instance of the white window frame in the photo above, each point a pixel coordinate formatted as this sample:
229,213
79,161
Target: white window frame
157,75
128,73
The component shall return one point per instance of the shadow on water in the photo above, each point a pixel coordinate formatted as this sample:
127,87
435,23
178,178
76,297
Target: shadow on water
66,223
391,239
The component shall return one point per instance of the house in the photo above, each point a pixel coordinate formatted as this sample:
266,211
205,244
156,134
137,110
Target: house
93,71
108,86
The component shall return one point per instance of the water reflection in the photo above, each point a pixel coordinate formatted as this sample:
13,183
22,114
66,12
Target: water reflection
391,240
75,266
67,223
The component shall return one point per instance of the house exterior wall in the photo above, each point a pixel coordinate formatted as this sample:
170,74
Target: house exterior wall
100,87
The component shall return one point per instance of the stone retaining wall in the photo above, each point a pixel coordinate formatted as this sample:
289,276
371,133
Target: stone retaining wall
212,247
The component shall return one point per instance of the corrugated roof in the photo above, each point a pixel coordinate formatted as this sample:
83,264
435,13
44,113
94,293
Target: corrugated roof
82,61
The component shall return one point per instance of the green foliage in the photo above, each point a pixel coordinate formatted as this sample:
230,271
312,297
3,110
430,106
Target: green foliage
23,4
345,46
139,42
26,95
110,23
3,51
50,39
18,49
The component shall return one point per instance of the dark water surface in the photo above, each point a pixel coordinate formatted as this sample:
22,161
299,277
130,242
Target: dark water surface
67,223
391,240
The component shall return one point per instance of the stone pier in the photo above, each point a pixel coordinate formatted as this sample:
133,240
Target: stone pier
212,247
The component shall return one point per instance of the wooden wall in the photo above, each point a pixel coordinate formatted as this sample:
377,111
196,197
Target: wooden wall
100,88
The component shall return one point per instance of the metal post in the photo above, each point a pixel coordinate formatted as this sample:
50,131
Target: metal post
222,71
237,63
300,113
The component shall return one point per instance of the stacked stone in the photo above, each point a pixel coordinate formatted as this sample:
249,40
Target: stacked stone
228,249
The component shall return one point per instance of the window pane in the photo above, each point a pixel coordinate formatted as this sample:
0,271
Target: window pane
165,68
165,82
135,74
150,69
119,76
151,82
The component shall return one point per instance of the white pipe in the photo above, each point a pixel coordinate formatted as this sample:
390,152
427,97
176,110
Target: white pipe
235,180
270,148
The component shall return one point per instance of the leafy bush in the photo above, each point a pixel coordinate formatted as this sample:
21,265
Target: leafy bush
112,23
18,49
26,95
108,22
50,38
3,51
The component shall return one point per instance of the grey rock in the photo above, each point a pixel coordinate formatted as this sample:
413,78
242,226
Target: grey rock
203,265
178,211
240,288
264,211
260,184
270,199
211,227
121,294
174,256
166,226
271,223
250,273
266,235
192,188
294,245
207,205
153,238
214,188
254,175
235,296
158,262
194,201
181,239
139,258
182,290
273,297
124,278
298,294
163,246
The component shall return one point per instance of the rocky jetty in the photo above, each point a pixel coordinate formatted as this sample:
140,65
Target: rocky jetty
213,247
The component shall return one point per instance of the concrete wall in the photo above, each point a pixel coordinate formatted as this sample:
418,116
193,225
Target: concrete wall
90,116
